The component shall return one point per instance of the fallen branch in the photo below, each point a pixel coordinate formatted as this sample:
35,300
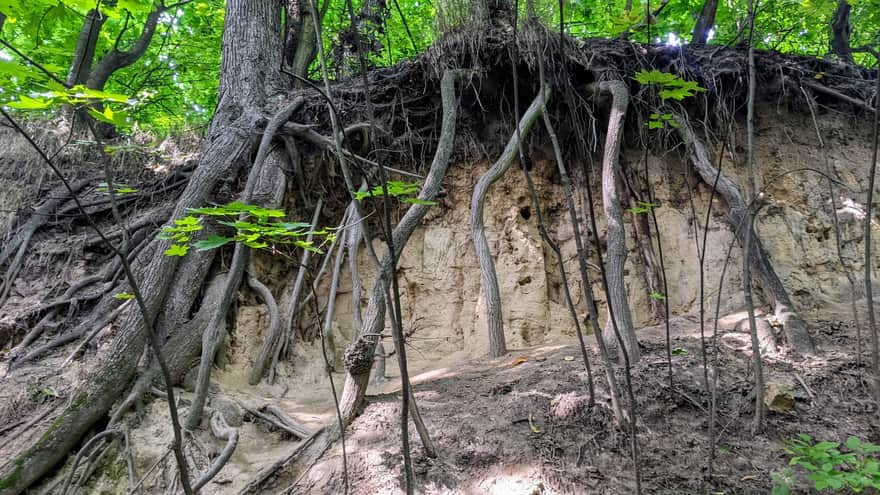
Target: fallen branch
254,485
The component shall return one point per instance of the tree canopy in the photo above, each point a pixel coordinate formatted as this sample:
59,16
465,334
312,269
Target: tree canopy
173,85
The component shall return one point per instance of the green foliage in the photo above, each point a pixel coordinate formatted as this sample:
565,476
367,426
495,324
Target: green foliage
41,393
171,87
671,86
174,85
405,191
642,207
678,351
124,296
254,226
658,296
855,469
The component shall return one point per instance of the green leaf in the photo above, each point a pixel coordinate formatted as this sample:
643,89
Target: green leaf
177,250
212,242
124,296
678,351
417,201
28,103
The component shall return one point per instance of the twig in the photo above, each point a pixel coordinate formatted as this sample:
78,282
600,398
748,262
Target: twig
804,384
154,466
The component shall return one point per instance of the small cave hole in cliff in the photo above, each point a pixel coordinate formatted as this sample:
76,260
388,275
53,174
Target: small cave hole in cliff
525,212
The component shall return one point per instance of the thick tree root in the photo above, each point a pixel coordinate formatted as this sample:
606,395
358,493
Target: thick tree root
616,233
494,319
374,318
217,324
91,401
795,328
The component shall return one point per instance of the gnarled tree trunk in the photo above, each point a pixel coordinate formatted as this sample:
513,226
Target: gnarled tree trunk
616,234
251,51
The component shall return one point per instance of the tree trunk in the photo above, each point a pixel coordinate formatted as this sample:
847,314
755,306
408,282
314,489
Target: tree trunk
494,319
795,328
704,22
115,60
84,53
840,32
251,45
616,234
301,36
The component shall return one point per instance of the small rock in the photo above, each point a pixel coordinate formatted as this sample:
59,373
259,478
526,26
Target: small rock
778,397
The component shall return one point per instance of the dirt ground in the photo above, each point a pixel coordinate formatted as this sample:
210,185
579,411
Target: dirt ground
479,416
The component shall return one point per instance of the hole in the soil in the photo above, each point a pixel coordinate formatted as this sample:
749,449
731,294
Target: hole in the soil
525,280
525,212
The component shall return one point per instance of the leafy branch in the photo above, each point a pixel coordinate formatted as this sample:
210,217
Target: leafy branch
256,230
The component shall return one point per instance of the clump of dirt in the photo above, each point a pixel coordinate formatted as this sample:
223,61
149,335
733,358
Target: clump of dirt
509,428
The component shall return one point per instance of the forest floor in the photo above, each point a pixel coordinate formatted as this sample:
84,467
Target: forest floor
521,425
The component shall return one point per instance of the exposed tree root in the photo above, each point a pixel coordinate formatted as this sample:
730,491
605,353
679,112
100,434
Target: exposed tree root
795,328
222,431
616,233
566,185
374,318
82,329
217,324
327,336
94,440
273,343
650,266
276,417
838,242
19,243
256,484
494,319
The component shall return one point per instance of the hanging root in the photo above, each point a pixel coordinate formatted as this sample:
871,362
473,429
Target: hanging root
566,184
274,342
616,234
795,328
374,317
494,319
